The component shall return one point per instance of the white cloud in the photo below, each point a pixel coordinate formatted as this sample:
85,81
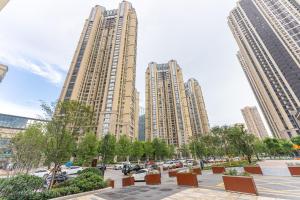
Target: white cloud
44,69
29,110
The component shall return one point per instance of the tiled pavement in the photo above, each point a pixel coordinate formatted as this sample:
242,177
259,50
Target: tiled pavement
210,188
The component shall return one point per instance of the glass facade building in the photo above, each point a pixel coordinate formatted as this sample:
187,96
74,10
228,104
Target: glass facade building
268,35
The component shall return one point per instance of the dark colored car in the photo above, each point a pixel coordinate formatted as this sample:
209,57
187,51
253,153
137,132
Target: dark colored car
59,178
129,168
102,168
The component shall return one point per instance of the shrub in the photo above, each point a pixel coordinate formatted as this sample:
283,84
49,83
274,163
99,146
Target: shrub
20,187
91,169
88,181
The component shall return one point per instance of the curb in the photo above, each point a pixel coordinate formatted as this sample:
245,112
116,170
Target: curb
81,194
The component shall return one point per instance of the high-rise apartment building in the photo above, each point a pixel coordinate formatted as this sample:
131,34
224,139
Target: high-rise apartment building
268,35
167,115
254,122
103,70
197,110
3,71
3,3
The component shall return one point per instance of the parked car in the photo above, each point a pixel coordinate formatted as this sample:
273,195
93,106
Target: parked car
42,173
169,165
72,170
178,164
191,162
130,168
140,175
59,178
118,166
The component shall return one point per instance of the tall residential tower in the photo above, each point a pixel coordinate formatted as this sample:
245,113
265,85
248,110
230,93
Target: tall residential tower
3,71
167,115
197,110
3,3
103,70
254,122
268,35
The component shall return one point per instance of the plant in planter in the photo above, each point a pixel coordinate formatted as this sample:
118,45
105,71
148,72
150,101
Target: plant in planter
153,178
239,182
294,169
187,178
196,170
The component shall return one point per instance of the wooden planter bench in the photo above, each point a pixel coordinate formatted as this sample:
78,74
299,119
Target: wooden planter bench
197,170
218,169
294,170
187,179
172,173
253,169
153,179
241,184
127,181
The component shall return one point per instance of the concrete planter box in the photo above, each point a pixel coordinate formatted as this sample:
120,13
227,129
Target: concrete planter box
127,181
240,184
110,183
253,169
153,179
197,171
294,170
218,170
172,173
187,179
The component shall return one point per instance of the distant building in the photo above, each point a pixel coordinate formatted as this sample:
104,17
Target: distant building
3,71
167,114
142,128
10,125
197,110
103,71
268,36
254,122
3,3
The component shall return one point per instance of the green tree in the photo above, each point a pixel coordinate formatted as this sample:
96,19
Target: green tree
137,150
107,148
68,120
184,150
273,146
259,148
28,147
286,147
148,149
160,149
124,147
171,151
87,148
296,140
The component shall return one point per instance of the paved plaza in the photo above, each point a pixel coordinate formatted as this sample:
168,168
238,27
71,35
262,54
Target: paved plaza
210,188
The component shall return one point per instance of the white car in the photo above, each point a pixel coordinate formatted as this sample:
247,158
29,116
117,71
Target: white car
42,173
169,165
73,170
118,166
140,175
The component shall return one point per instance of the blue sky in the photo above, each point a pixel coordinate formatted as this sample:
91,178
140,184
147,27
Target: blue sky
38,39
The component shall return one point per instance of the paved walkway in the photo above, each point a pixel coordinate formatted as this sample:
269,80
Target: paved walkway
210,188
166,192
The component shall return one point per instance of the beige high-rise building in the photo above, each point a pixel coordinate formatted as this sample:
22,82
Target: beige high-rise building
103,70
254,122
268,36
3,3
3,71
197,110
167,115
